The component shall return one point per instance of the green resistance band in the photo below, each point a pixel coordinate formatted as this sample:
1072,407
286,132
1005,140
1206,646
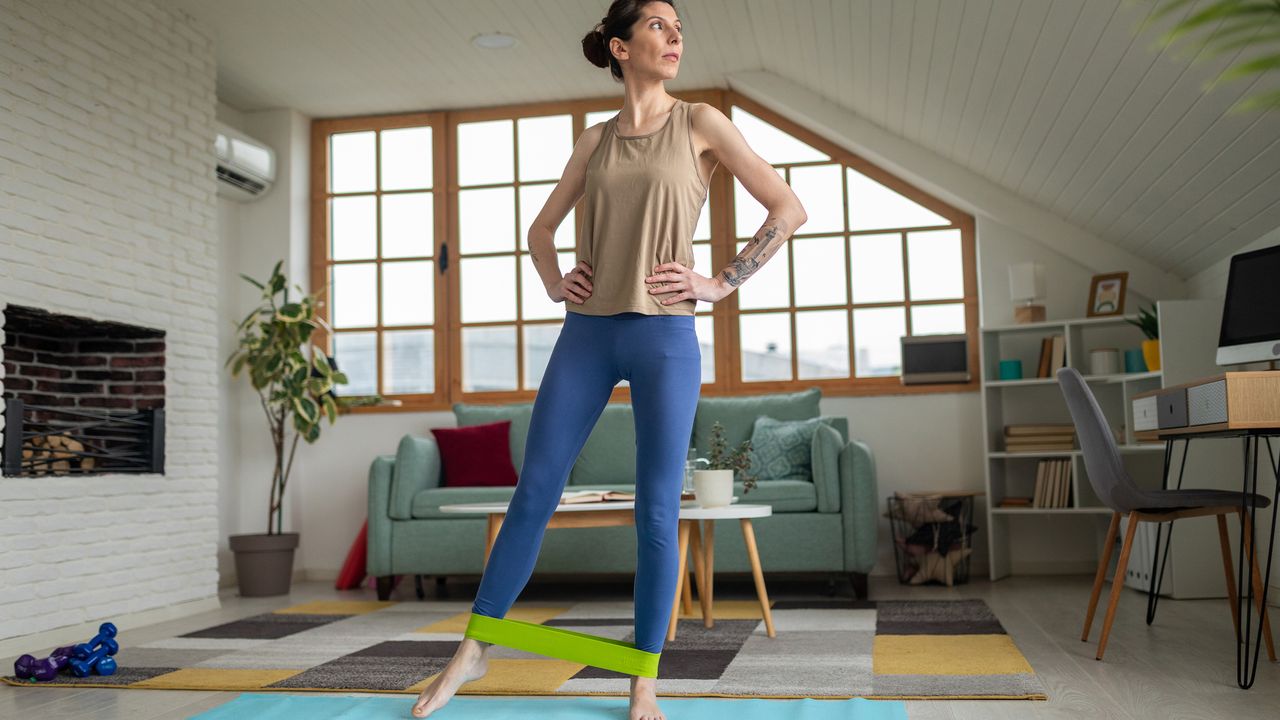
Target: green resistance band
565,644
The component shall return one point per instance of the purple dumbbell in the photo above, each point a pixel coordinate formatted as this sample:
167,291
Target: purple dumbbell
28,667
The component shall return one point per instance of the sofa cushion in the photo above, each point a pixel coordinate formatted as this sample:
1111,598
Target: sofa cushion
609,455
738,414
784,496
476,455
518,413
782,448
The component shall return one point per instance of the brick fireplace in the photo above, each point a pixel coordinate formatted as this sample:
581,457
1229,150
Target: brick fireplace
81,395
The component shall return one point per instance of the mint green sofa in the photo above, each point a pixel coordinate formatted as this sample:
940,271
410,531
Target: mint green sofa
827,525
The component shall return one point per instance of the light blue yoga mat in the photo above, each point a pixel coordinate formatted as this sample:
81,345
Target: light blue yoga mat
272,706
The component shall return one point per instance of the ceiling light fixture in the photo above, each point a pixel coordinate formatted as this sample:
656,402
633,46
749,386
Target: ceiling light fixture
493,41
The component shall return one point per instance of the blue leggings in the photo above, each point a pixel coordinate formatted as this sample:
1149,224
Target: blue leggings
659,356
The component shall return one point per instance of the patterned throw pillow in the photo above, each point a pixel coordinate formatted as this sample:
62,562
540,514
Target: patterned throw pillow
782,448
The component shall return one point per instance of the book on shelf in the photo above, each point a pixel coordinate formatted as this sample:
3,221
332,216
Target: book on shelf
1053,355
1015,501
1053,484
1039,438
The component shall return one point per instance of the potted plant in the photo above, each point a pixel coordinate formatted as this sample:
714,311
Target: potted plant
1150,327
713,486
296,392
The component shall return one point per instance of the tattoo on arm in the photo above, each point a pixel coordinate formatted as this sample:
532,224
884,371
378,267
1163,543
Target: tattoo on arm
756,253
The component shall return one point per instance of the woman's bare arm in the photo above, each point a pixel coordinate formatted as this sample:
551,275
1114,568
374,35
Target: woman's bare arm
563,198
785,213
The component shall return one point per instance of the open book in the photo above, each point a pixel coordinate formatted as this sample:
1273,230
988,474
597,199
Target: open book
589,496
595,496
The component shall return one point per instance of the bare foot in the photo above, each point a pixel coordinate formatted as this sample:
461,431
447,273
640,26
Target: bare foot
470,662
644,700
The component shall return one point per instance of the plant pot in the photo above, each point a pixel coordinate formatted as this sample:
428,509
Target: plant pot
264,563
1151,354
713,488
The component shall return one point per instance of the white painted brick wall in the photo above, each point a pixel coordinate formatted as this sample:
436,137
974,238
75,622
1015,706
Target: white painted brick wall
107,210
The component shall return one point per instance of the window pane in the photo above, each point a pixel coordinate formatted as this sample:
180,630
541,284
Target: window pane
937,319
878,333
875,266
770,143
408,293
820,270
489,289
356,356
823,340
485,153
702,261
532,198
749,214
937,271
354,227
768,286
406,158
873,206
704,325
545,146
354,294
408,228
534,302
599,116
351,162
702,231
822,194
409,362
766,346
487,220
488,358
539,341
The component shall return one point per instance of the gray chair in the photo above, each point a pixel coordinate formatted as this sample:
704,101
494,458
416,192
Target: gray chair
1117,490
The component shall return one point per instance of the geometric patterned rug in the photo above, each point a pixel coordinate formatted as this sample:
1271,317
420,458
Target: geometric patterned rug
838,648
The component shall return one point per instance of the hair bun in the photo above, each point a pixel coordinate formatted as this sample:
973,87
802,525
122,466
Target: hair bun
594,48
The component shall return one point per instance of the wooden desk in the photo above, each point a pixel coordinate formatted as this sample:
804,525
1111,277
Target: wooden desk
1252,412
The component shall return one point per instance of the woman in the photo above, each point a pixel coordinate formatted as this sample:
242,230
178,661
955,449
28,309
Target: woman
630,303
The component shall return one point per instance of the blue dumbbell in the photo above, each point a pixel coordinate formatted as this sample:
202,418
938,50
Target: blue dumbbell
86,661
105,631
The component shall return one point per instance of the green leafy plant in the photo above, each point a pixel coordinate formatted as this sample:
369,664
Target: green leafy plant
1240,24
739,460
1147,323
294,389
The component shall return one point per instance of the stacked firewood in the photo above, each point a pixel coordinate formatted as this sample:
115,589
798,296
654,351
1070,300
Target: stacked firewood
60,449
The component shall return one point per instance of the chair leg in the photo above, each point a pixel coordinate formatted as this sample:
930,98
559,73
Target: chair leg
417,587
1225,542
1117,583
386,583
1257,587
1101,575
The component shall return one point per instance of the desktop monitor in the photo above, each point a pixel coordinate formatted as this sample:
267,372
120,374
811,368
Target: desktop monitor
1251,311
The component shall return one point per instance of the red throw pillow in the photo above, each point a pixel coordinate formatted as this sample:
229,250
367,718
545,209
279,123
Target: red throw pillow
476,455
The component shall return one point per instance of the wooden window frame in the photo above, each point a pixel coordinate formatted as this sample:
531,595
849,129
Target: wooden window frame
448,326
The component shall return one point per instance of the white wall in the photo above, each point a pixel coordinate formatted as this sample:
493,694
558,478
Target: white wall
1212,281
107,211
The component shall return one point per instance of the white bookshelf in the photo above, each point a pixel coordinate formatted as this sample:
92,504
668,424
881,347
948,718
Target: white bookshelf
1188,338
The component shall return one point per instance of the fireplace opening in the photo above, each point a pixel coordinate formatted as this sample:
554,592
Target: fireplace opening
81,396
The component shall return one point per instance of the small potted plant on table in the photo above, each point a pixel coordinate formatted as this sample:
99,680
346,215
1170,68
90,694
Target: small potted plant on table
713,485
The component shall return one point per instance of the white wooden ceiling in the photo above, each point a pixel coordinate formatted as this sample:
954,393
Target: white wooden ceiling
1063,102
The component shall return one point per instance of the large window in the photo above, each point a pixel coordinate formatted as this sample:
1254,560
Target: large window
420,224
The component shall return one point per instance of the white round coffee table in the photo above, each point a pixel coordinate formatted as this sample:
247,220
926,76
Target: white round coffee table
691,518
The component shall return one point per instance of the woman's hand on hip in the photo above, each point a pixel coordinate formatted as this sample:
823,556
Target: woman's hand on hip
574,285
685,284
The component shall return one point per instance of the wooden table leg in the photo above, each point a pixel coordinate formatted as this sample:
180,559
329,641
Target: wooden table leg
675,603
699,567
709,572
495,524
686,599
749,537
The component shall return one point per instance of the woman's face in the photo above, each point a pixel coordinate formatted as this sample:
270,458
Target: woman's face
656,45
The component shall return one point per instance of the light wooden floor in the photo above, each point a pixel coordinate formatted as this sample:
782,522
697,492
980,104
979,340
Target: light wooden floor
1181,667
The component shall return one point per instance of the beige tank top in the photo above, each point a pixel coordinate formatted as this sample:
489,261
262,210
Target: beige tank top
642,200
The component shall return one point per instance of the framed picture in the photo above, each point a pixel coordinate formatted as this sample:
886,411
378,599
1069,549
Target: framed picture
1106,294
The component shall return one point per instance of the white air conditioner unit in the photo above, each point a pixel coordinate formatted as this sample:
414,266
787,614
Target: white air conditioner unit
246,167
